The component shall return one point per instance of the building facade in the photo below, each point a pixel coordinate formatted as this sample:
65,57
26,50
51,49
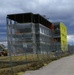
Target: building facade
60,36
29,33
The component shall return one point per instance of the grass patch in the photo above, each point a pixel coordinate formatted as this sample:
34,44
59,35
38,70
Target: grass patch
20,66
19,63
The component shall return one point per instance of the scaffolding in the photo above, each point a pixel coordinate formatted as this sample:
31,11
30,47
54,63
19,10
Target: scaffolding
26,33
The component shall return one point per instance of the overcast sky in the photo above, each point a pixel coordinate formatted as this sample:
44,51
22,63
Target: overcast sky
55,10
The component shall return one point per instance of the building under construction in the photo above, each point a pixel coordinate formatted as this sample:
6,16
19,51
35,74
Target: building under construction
60,37
29,33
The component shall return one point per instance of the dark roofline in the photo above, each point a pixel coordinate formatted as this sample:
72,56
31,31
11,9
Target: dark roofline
21,17
29,17
18,14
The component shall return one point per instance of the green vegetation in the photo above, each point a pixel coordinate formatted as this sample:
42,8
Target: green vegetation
33,62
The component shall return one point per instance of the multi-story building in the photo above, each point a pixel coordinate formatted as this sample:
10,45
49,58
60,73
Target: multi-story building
60,37
28,32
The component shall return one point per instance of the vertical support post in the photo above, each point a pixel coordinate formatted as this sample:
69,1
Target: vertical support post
7,23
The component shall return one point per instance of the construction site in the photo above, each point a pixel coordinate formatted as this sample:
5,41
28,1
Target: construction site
30,33
32,42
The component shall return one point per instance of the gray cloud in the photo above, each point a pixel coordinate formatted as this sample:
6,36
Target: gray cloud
55,10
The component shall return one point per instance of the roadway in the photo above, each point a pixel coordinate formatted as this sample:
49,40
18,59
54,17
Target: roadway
63,66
